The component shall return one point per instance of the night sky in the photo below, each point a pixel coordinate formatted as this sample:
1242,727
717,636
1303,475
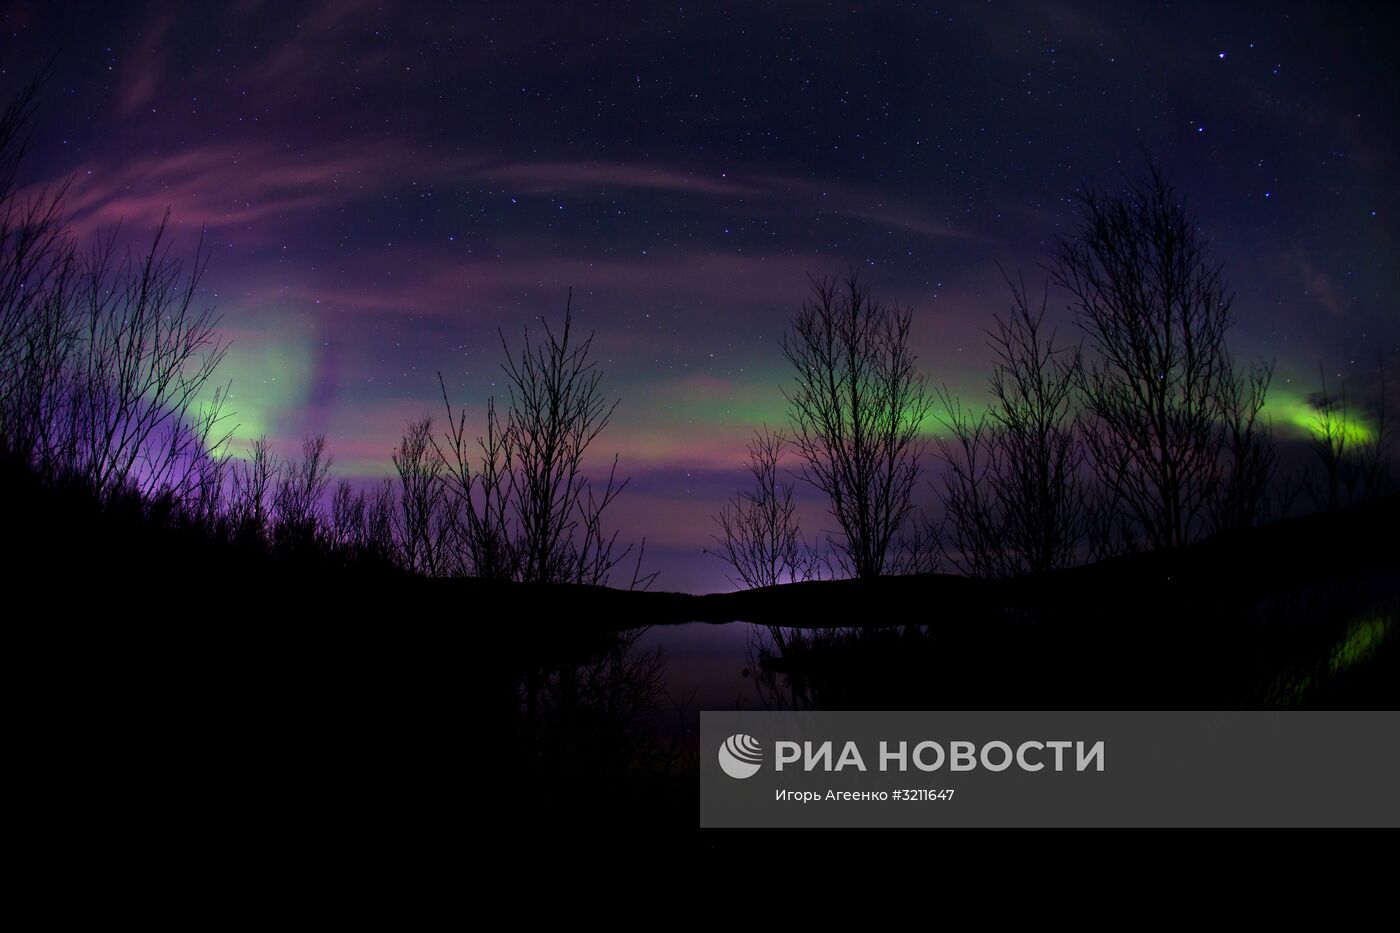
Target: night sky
384,185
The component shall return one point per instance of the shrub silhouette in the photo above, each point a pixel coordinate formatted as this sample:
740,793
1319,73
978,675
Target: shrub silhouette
759,533
104,354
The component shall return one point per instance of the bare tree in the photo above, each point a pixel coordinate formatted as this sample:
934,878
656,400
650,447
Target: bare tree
347,525
254,481
971,512
528,507
557,410
202,483
106,360
146,353
379,521
477,473
759,533
1159,386
421,518
300,488
103,356
857,409
1355,455
1242,498
38,278
1015,500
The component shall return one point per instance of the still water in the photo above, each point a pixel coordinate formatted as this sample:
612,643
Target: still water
657,680
708,667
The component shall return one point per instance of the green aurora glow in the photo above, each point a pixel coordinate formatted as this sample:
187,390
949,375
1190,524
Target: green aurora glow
1298,416
267,377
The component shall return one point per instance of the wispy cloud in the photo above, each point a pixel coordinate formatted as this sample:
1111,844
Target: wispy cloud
1316,283
238,185
727,190
143,78
584,178
233,185
441,285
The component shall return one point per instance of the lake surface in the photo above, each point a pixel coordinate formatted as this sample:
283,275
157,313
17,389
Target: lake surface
1322,648
708,667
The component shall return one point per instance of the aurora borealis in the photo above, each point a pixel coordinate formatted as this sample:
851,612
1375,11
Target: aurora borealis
383,186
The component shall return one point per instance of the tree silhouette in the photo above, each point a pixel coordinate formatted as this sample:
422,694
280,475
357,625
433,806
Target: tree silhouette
104,355
1355,456
254,482
857,408
142,358
1242,498
759,534
423,528
481,493
530,512
38,279
296,503
1015,500
556,412
1159,387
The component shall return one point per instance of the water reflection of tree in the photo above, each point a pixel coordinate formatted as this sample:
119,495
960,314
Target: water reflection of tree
589,723
847,667
777,689
1319,645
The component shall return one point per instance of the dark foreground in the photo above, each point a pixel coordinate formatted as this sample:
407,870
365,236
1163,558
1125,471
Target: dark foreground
178,690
